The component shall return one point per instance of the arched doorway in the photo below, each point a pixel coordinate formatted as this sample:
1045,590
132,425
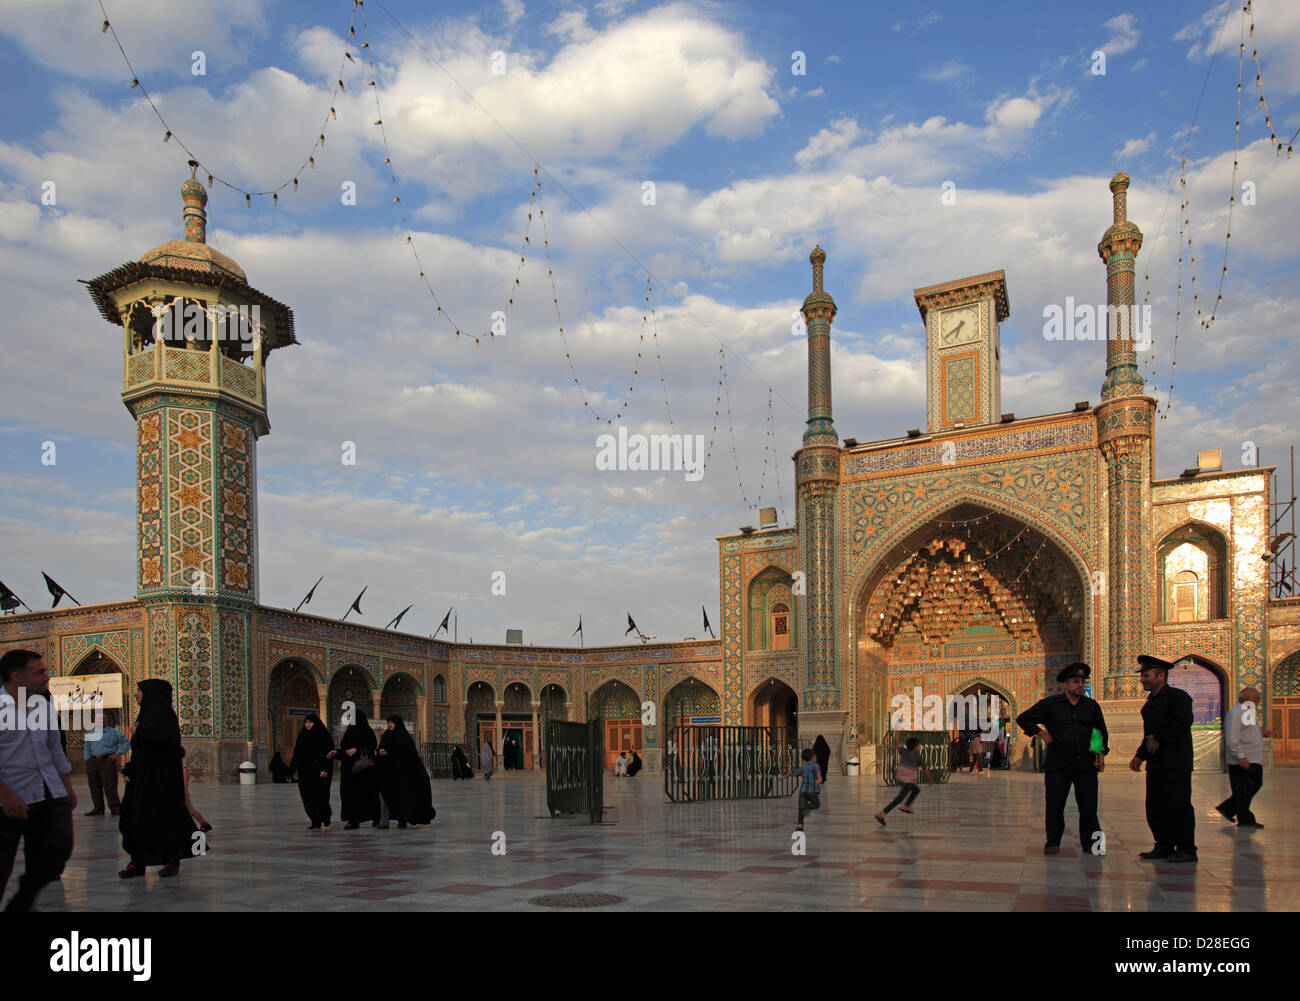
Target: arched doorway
620,708
349,684
691,702
481,717
774,704
401,697
1204,682
970,591
1284,710
984,714
292,695
518,742
98,662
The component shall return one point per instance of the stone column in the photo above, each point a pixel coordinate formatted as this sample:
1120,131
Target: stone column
323,697
537,743
568,711
376,698
498,738
422,714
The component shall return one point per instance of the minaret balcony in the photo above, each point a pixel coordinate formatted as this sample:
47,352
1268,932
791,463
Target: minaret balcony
186,367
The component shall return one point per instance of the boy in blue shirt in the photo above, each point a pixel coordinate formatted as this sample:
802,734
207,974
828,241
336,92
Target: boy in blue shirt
810,777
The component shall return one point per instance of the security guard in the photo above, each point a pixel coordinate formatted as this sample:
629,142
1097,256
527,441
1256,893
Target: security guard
1167,749
1066,722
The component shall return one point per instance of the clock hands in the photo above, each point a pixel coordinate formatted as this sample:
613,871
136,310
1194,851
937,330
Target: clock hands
954,332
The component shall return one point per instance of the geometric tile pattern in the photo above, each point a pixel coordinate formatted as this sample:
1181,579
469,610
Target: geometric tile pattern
191,550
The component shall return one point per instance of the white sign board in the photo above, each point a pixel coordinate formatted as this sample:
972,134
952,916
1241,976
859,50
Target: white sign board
86,690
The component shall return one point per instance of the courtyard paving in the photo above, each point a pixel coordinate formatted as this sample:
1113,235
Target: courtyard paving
973,844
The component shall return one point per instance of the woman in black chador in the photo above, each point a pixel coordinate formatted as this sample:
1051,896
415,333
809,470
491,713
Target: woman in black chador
315,768
460,768
357,786
156,825
822,752
403,779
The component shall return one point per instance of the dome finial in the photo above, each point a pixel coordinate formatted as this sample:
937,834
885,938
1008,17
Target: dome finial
818,259
195,197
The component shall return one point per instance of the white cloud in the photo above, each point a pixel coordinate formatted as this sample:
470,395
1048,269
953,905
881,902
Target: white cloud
1135,146
1124,34
953,69
514,11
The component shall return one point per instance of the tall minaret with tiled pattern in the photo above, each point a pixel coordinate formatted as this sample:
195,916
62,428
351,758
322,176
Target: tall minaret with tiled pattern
1125,420
817,484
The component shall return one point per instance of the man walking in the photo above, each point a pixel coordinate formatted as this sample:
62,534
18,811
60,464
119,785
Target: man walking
1074,730
1245,742
1167,749
35,788
103,755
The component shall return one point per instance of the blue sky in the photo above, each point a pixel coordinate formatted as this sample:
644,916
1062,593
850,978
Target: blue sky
473,460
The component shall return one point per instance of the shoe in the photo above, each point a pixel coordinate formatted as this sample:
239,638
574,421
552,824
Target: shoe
94,813
1182,857
1051,849
205,828
1255,824
1155,853
326,825
799,827
131,871
1225,814
880,819
904,809
170,869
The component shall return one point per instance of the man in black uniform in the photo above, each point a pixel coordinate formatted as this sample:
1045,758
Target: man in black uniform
1167,750
1065,721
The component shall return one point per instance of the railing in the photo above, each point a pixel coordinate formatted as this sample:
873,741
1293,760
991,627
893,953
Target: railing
178,364
934,755
575,768
437,758
730,762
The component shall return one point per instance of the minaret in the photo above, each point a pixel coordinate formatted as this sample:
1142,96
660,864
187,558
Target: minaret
1124,434
196,337
817,482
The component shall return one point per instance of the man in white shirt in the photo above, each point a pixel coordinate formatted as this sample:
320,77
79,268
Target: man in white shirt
36,797
620,764
1244,739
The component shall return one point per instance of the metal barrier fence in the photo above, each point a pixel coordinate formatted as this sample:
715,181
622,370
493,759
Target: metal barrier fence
729,762
437,758
934,755
575,768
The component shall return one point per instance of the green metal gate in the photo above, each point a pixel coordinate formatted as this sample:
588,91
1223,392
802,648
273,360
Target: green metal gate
575,768
934,754
729,762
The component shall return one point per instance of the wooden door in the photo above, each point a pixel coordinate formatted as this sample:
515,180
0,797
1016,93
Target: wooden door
621,735
292,727
1286,731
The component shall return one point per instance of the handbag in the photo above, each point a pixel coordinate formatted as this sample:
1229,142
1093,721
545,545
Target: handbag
363,762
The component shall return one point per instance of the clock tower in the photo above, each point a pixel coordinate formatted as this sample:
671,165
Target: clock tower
963,373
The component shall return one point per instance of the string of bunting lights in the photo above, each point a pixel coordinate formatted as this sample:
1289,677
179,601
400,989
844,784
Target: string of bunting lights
169,133
535,199
1206,319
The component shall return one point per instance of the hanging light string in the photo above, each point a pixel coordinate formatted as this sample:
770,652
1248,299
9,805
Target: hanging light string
1182,189
169,134
654,333
563,188
513,290
731,425
1249,11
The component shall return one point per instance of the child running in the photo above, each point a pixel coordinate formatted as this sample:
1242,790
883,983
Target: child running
810,777
910,766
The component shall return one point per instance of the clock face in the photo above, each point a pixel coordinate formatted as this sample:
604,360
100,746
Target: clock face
959,326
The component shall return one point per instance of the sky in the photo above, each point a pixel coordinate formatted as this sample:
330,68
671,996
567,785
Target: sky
707,145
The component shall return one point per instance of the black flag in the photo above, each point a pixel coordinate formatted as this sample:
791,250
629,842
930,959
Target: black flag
56,592
579,629
630,625
393,624
356,604
310,593
9,600
445,619
708,628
